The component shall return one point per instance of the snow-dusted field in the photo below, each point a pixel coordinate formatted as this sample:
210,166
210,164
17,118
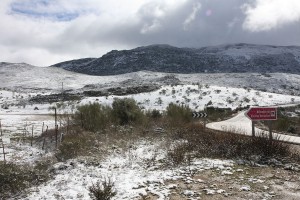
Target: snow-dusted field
20,116
23,77
135,178
132,176
197,97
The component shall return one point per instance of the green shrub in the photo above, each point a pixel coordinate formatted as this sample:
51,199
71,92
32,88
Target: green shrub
93,117
154,114
14,179
126,111
215,113
178,115
75,145
292,129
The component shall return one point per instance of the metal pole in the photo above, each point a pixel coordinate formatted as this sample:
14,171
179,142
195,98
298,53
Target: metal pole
253,128
56,127
270,131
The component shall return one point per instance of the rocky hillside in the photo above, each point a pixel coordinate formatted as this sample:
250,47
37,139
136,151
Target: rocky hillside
238,58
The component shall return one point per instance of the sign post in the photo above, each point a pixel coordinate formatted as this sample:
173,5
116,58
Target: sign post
200,115
262,114
270,131
253,128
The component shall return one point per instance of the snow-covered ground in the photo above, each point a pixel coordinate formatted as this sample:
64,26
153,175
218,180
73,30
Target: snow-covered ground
197,97
22,77
19,117
132,176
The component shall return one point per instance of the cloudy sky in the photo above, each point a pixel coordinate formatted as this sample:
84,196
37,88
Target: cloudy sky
44,32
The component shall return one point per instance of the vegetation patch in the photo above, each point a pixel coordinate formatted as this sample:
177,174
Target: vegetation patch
51,98
288,121
14,179
102,190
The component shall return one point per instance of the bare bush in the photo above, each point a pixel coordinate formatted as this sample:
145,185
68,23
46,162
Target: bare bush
176,155
14,179
102,190
214,144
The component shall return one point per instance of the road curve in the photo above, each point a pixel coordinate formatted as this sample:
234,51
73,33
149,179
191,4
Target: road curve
242,125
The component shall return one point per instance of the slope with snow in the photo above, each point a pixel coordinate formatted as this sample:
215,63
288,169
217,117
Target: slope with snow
26,78
242,58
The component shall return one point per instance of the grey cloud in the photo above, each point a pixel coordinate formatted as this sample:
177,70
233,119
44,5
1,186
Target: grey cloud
224,25
195,23
202,30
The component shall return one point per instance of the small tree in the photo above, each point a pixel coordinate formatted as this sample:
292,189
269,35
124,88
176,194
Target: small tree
178,114
93,116
159,101
127,111
154,114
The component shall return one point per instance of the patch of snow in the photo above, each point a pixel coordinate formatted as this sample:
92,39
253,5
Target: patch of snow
226,172
245,188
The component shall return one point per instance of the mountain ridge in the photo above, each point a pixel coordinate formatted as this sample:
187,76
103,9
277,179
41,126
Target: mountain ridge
229,58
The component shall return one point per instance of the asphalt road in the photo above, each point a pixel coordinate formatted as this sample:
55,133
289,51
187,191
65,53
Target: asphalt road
242,125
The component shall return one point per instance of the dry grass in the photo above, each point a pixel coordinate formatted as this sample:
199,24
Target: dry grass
14,179
208,143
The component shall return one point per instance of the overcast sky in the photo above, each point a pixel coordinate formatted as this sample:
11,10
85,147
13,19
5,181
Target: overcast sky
44,32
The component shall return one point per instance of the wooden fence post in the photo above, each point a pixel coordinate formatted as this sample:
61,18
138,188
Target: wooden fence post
68,123
56,135
1,129
31,136
45,138
43,127
56,127
3,150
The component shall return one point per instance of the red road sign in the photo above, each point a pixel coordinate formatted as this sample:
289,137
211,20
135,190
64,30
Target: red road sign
262,113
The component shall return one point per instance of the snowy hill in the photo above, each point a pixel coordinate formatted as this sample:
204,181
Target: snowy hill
238,58
24,77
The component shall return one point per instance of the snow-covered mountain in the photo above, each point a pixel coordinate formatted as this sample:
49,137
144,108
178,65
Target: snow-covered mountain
24,77
237,58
